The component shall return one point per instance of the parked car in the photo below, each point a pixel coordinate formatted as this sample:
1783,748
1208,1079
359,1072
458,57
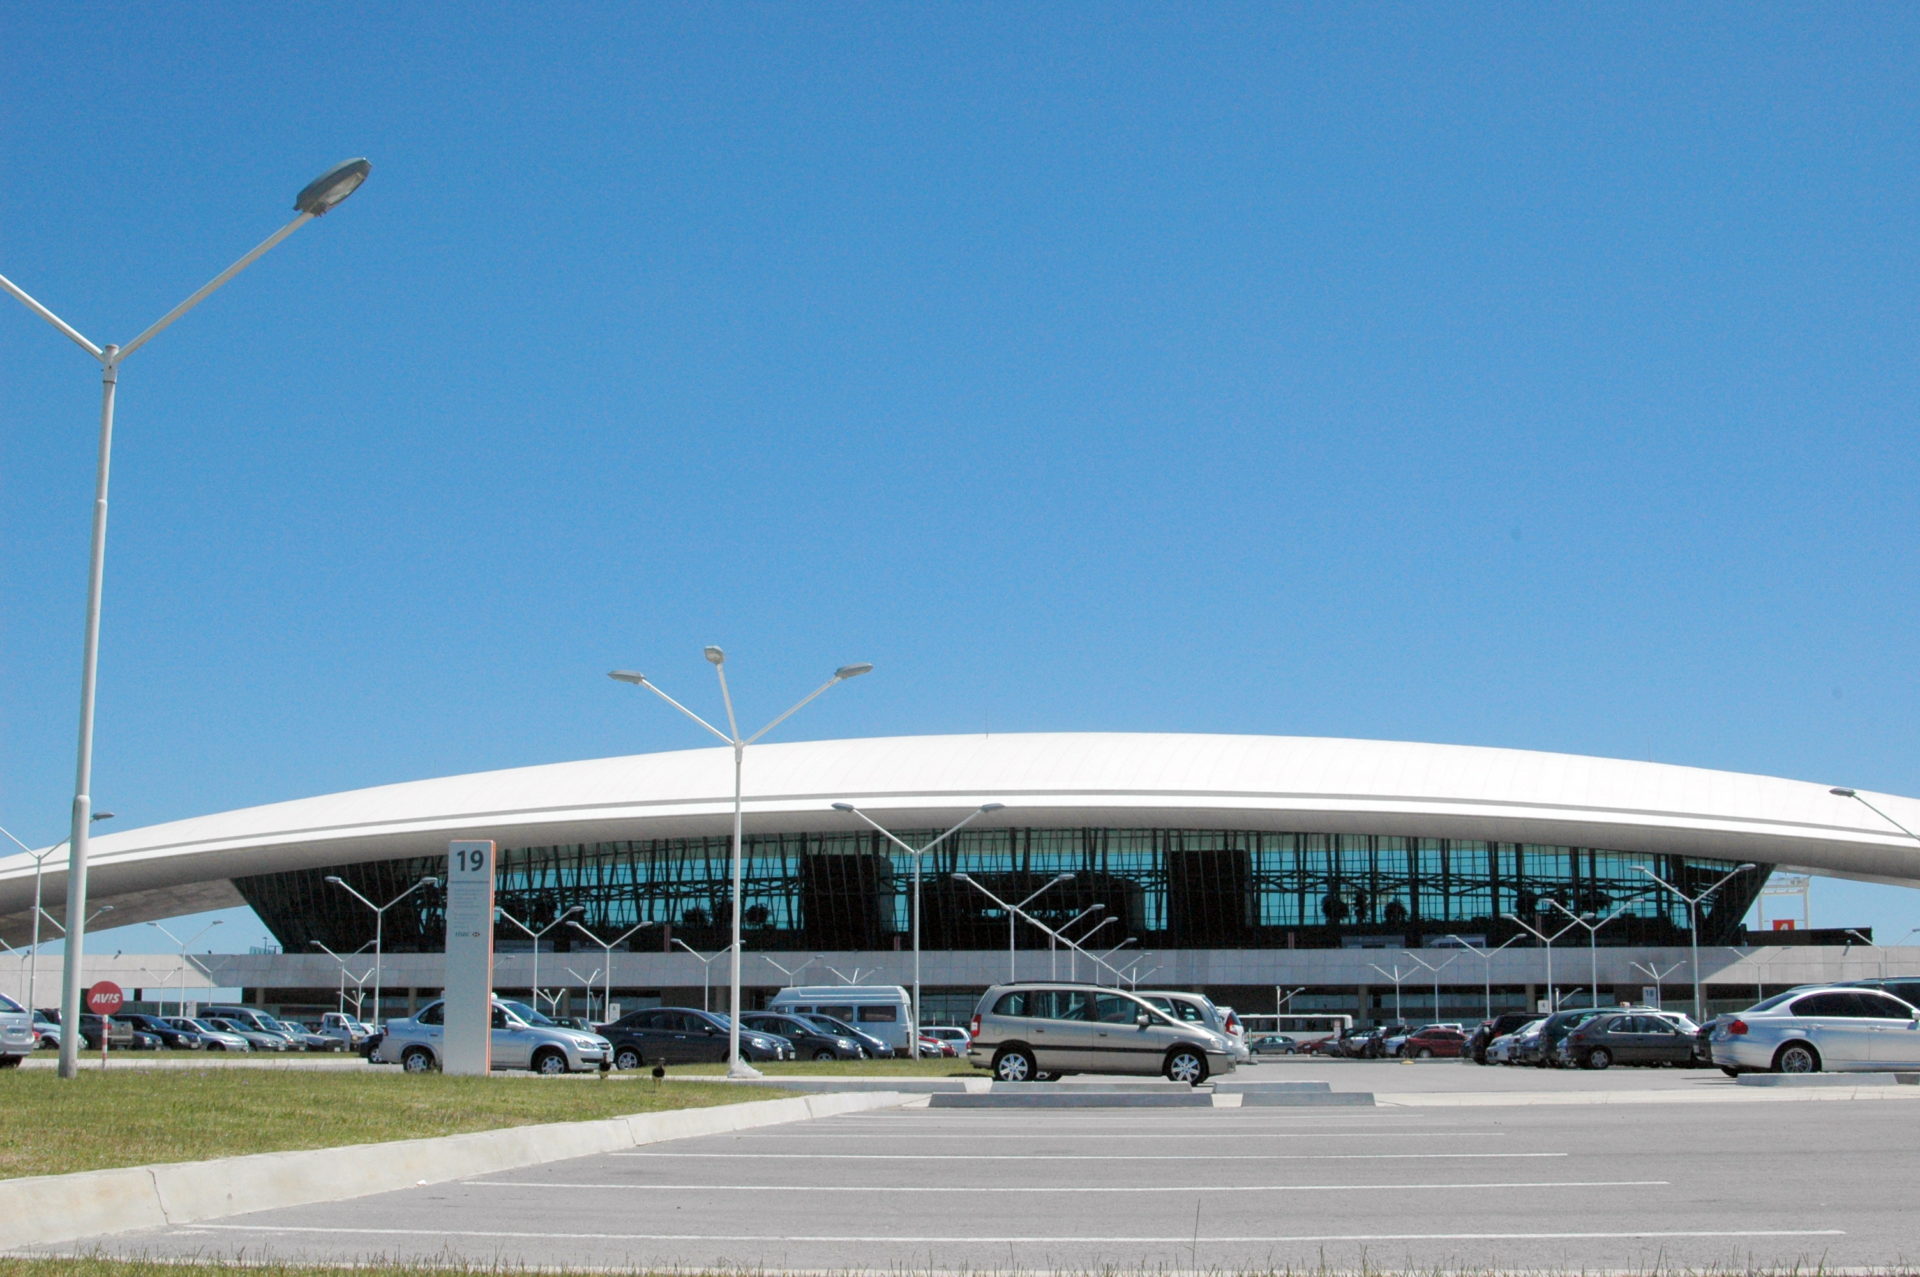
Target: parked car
522,1039
810,1041
1628,1037
17,1037
871,1045
937,1048
1199,1009
1488,1030
1434,1041
170,1037
119,1037
685,1035
1037,1031
882,1010
257,1039
340,1025
1512,1048
48,1030
1273,1044
948,1033
305,1039
1831,1027
213,1039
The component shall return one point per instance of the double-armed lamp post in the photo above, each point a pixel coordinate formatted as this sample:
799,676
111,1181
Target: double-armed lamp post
736,1067
315,200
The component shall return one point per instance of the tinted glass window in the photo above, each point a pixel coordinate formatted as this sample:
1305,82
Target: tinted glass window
430,1016
1109,1008
8,1004
1016,1003
1826,1004
837,1012
1883,1008
879,1015
1071,1004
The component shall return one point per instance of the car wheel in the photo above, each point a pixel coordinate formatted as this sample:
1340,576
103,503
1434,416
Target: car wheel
1016,1065
549,1062
417,1059
1184,1064
9,1061
1729,1070
1796,1057
627,1058
1599,1058
825,1053
1424,1053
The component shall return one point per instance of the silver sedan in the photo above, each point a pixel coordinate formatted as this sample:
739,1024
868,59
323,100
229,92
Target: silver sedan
1807,1030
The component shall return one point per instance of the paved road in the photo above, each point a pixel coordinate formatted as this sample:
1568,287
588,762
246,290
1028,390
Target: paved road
1583,1187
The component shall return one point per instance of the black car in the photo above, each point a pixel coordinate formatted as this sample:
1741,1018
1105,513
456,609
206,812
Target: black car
1498,1027
683,1035
1628,1037
172,1038
810,1041
870,1045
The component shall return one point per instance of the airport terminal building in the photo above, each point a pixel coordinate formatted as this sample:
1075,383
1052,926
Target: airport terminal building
1241,865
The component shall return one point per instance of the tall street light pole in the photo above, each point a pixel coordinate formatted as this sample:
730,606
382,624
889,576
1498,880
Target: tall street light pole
792,974
1553,1002
1076,947
1436,977
33,948
379,925
1485,955
1593,944
359,981
316,199
737,1067
706,965
606,996
1693,924
916,853
565,914
1014,911
1053,947
180,992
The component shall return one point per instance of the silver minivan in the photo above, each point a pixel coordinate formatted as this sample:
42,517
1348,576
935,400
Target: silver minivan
1041,1030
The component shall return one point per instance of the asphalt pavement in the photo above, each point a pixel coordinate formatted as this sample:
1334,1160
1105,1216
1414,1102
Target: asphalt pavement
1689,1182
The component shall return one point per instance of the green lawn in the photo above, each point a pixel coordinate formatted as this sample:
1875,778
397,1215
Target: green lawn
843,1068
130,1117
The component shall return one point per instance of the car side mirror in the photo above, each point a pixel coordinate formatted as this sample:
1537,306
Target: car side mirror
1141,1020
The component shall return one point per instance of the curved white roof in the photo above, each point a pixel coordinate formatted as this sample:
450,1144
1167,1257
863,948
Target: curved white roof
1285,783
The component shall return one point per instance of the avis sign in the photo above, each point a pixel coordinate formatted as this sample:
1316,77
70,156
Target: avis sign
105,998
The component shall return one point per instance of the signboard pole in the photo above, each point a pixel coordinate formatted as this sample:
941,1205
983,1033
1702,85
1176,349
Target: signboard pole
468,1041
105,1000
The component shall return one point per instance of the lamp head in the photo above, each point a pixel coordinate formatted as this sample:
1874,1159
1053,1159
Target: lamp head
429,881
1839,792
990,807
319,196
1745,867
627,676
961,878
1063,877
844,807
335,880
101,815
852,671
716,656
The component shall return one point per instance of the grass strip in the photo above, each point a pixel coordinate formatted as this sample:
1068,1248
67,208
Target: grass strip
841,1068
134,1117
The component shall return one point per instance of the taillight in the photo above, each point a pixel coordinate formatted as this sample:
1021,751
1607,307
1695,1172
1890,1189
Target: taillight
1737,1027
973,1029
1233,1023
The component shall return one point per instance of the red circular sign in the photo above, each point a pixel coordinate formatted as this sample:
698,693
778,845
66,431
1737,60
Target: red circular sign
105,998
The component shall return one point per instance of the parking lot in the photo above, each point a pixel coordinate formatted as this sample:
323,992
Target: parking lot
1516,1186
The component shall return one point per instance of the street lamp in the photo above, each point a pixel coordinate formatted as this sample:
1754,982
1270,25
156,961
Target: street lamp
917,852
1657,976
1076,947
1436,977
1100,960
359,981
564,914
1693,924
1871,945
586,983
706,961
379,926
180,993
1396,975
1485,955
737,1067
606,996
1593,942
792,974
1013,911
1553,1002
1073,951
314,200
33,948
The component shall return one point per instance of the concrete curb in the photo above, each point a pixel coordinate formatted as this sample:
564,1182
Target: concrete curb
57,1208
1069,1100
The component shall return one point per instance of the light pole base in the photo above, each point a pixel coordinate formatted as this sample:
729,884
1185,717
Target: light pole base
740,1070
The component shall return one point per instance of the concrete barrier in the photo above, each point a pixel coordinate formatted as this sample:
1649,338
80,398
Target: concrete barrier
1056,1098
1817,1079
45,1209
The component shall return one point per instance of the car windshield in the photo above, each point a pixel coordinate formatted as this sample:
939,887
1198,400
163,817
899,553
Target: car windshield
528,1014
1774,1001
8,1004
828,1022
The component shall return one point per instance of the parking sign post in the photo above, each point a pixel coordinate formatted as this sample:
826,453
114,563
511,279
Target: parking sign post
105,1000
469,993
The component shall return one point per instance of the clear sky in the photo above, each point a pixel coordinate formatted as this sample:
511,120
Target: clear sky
1533,376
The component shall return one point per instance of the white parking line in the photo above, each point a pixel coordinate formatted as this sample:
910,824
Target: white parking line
1029,1132
1185,1240
1092,1157
1049,1188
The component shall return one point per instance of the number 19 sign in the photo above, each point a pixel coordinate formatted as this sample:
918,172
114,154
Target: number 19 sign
468,1044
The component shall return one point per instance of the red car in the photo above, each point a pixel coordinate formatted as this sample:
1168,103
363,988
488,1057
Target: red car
1429,1043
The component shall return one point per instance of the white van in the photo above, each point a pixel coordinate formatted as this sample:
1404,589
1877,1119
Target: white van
880,1009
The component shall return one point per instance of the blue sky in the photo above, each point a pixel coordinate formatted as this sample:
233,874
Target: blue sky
1532,376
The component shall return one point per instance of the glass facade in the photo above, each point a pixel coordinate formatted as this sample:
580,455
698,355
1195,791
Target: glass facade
1167,888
